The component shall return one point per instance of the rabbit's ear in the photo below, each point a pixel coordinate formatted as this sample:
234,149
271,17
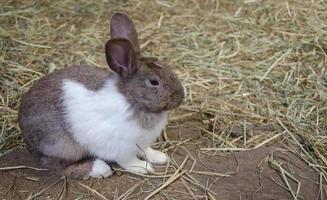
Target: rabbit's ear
121,26
120,56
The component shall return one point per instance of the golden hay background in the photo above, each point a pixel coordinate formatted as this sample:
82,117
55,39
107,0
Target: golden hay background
255,70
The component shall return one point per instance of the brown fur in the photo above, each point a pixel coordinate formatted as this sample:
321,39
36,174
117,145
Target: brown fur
118,29
79,170
167,96
123,58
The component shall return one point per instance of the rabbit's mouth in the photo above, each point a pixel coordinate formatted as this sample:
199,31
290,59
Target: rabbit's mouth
171,105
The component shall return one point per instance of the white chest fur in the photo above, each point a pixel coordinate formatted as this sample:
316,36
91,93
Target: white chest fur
101,121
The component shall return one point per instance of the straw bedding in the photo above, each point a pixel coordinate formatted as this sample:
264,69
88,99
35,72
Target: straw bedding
255,70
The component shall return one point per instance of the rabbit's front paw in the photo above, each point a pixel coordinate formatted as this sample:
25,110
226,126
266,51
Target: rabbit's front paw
138,166
100,169
154,156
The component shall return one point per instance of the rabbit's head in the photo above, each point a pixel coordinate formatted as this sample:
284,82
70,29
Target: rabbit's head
148,84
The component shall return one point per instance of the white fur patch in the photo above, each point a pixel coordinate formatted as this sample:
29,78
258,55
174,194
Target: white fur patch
155,156
100,169
139,166
100,121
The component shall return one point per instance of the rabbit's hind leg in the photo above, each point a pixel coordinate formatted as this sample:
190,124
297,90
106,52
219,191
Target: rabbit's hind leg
83,169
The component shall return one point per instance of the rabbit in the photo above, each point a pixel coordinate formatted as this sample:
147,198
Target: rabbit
78,119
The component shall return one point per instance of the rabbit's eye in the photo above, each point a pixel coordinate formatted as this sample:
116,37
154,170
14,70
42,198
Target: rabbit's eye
152,82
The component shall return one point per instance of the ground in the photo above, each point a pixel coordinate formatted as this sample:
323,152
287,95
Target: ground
254,122
243,175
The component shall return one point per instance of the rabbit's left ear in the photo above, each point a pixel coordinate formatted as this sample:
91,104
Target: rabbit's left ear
121,57
121,26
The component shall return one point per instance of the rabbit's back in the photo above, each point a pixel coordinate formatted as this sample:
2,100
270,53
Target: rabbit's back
41,112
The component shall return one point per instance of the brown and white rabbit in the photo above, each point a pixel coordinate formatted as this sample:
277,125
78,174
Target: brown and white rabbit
77,118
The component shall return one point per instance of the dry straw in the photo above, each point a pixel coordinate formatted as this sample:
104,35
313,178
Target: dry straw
255,70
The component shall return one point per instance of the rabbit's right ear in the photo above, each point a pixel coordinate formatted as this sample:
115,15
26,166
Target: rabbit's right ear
121,57
121,26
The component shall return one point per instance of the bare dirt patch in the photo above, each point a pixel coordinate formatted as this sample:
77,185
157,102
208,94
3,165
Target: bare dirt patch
241,175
